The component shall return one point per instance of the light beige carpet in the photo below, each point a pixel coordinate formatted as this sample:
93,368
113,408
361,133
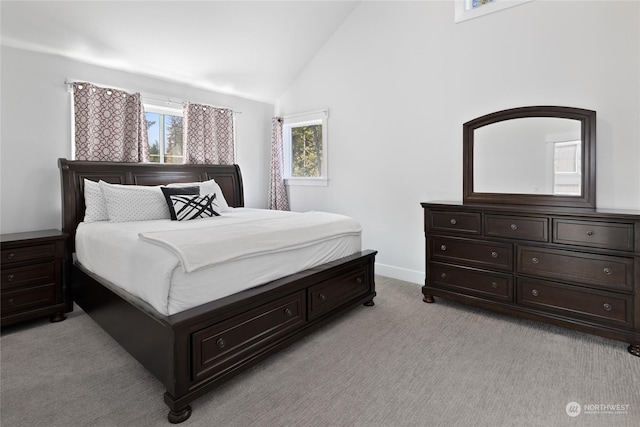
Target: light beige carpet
399,363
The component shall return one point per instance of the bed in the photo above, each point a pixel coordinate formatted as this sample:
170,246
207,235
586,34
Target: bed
194,350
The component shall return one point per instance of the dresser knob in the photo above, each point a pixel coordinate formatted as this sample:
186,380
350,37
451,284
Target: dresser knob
535,292
514,227
11,277
494,254
589,233
607,270
494,285
11,256
221,343
443,275
11,301
607,307
288,312
322,297
443,247
359,280
534,260
453,221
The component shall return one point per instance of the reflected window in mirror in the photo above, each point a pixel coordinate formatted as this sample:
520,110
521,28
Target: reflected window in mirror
567,173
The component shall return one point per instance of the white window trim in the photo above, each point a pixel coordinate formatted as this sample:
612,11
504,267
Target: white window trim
303,119
162,110
464,14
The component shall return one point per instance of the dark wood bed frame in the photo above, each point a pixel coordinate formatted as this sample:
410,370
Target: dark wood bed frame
194,351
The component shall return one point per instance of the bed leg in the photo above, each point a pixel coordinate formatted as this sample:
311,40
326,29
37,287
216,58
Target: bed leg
369,303
429,299
180,415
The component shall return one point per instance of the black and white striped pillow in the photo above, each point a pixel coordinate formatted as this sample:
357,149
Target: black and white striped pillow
195,206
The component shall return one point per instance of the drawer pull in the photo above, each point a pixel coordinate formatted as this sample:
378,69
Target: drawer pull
288,312
443,275
535,293
11,277
494,254
221,343
322,297
11,301
589,233
514,227
453,221
494,285
607,270
534,260
607,307
443,247
11,255
359,280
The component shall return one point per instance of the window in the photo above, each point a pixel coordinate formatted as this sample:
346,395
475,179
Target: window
567,175
305,148
469,9
164,128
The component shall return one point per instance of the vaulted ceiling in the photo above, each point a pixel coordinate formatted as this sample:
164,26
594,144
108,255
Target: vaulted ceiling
253,49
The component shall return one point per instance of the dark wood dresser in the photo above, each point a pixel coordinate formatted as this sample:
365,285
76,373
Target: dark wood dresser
32,276
575,268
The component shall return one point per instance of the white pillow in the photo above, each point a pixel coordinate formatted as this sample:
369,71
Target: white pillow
95,205
127,203
207,187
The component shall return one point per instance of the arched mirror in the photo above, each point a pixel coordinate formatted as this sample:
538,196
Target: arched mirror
541,155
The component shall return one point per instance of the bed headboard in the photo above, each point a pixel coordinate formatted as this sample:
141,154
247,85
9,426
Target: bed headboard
74,172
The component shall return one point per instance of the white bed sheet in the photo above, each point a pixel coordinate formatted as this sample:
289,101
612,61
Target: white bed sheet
154,274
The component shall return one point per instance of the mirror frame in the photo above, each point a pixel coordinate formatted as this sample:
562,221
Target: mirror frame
587,118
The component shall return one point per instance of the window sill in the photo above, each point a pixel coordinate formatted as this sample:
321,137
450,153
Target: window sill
312,182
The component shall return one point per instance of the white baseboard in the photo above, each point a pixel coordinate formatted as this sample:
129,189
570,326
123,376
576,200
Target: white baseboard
404,274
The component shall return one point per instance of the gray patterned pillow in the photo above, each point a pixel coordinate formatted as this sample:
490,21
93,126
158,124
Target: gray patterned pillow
189,207
127,203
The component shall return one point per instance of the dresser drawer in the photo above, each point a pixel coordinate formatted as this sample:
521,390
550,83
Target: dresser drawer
461,222
469,280
29,275
472,252
593,234
573,301
517,227
28,298
28,253
607,272
229,342
331,293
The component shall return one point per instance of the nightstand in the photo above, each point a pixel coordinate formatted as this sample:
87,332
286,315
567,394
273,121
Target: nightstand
32,271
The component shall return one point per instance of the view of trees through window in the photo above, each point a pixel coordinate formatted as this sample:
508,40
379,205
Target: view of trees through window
306,150
165,138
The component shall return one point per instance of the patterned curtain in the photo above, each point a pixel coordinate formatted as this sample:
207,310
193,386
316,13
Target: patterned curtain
277,190
208,135
110,125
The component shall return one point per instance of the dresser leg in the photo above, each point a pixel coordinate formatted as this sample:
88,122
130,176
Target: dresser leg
635,349
429,299
57,317
369,303
176,417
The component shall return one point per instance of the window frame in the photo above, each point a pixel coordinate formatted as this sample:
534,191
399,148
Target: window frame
298,120
463,14
163,111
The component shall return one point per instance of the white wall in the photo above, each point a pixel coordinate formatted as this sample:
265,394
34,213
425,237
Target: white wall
36,131
400,79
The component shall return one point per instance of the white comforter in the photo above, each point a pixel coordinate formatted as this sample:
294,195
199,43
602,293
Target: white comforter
164,262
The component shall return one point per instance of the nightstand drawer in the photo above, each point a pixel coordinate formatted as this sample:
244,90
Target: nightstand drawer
603,306
477,253
517,227
461,222
29,275
593,234
29,298
28,253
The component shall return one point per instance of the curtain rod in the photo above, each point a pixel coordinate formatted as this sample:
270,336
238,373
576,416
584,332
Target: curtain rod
158,98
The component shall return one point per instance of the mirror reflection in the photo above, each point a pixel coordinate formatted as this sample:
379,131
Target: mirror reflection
531,155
